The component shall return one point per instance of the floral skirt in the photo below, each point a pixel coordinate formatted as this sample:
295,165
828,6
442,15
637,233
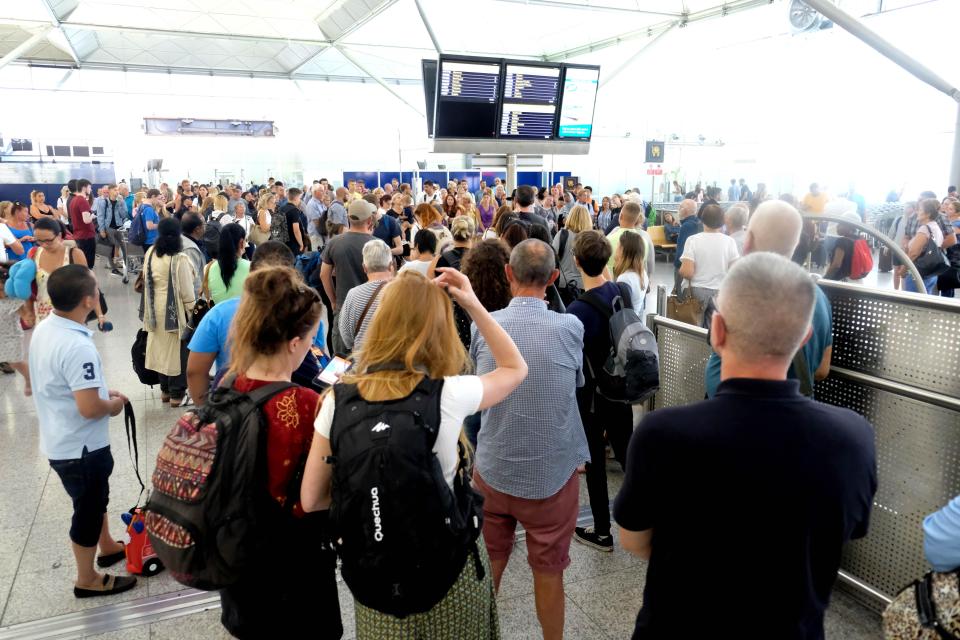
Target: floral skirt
467,612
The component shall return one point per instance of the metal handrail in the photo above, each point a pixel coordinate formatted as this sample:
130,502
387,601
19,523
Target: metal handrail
936,303
917,278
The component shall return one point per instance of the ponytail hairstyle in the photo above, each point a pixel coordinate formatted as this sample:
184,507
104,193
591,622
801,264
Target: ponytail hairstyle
230,237
294,309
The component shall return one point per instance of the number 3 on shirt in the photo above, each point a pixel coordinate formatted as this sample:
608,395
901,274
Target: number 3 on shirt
88,373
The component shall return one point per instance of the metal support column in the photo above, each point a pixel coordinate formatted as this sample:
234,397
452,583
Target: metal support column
919,71
426,24
346,54
511,172
24,46
629,61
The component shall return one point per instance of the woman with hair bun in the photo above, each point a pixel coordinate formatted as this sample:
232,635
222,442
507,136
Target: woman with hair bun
292,585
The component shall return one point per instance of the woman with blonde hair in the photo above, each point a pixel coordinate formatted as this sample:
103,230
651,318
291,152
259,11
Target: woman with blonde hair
577,221
220,206
62,201
266,207
412,355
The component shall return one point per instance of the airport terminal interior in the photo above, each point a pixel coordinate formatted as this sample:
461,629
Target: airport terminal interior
476,319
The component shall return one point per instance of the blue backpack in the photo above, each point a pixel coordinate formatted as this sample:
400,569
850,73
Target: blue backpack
138,229
308,264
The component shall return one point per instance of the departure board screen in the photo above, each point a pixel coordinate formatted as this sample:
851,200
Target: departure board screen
531,84
467,105
579,96
527,121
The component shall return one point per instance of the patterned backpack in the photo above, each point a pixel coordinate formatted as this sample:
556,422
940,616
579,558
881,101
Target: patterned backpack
927,609
209,505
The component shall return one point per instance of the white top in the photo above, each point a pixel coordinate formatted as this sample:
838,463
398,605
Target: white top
712,255
638,289
423,197
246,222
63,359
460,398
418,265
490,234
6,237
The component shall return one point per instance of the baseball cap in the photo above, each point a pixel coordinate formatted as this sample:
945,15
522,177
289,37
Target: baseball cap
360,210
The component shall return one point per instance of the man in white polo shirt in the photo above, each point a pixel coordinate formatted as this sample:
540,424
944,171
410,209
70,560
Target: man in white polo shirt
74,408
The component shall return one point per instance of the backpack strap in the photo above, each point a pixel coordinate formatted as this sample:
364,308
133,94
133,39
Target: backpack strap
366,309
261,394
802,370
626,297
594,300
130,423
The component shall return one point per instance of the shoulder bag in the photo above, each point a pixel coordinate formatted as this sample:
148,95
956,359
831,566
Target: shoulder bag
932,261
685,307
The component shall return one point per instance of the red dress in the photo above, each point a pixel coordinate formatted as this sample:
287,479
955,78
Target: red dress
290,416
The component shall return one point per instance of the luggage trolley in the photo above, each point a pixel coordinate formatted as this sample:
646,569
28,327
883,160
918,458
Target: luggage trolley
131,255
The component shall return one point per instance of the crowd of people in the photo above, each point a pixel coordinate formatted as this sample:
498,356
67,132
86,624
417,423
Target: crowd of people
485,315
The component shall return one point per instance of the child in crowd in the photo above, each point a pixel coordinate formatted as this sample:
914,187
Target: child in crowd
74,408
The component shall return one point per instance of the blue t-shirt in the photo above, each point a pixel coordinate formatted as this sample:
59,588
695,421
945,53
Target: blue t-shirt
129,202
387,229
150,215
211,333
821,338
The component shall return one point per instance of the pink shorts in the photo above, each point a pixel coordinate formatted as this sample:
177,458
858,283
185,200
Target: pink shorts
549,524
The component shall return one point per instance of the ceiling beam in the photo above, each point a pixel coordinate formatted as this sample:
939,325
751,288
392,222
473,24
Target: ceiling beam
55,21
370,15
200,71
629,61
560,4
24,46
426,24
378,79
655,29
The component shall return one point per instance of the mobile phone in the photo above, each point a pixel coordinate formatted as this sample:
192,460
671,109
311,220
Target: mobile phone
334,369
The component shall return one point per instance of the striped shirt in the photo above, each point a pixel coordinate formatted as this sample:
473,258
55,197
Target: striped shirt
354,304
531,443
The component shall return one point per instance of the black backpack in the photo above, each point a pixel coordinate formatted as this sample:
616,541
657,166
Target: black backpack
404,536
211,236
209,515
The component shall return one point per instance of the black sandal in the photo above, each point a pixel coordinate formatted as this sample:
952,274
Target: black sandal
108,561
111,585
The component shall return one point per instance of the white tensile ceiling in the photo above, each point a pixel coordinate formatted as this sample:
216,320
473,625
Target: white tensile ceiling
336,39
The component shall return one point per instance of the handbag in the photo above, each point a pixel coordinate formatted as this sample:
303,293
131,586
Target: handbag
932,261
569,290
684,307
927,609
258,235
200,309
103,301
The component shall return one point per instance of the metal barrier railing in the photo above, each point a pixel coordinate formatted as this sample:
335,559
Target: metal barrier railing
895,361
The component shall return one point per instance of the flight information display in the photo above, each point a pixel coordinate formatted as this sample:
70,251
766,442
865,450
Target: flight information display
527,121
470,81
467,104
533,84
579,96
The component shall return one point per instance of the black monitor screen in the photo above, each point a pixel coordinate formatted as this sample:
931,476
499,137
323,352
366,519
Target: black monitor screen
467,104
430,91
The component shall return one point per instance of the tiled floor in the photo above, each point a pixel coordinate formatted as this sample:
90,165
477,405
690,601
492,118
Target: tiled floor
36,567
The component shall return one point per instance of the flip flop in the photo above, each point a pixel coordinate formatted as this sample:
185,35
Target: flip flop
111,586
108,561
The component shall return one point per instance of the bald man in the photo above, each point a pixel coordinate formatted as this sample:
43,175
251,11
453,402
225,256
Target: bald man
337,214
775,228
759,471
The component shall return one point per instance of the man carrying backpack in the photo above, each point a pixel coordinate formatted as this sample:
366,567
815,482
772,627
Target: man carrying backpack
591,250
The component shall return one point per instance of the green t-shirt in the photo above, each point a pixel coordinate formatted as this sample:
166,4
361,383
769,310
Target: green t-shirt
219,291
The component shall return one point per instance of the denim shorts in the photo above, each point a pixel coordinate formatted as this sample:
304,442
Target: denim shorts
87,482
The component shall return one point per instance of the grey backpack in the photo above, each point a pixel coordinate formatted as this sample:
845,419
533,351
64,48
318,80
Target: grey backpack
631,373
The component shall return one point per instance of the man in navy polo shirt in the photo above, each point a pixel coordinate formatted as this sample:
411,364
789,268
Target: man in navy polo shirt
749,496
689,225
74,408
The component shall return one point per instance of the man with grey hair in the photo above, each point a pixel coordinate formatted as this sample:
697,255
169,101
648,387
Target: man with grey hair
758,472
530,445
314,209
362,301
689,225
775,227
